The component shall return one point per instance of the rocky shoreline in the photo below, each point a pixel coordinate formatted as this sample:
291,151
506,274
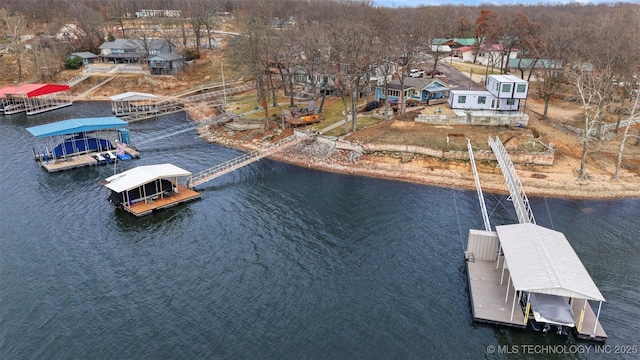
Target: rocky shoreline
553,181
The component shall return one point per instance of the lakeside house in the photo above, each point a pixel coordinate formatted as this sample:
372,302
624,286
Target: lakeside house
503,93
158,54
419,90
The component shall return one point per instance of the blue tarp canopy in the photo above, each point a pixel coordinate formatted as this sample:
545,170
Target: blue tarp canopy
75,126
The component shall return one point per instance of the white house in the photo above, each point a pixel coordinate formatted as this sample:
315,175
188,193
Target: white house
487,54
503,93
507,87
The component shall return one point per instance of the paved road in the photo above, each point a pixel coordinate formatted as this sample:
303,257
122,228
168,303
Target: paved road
459,81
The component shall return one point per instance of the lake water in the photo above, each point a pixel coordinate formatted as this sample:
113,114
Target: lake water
274,262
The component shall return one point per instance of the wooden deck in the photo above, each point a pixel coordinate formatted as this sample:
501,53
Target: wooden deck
488,305
488,296
586,332
147,207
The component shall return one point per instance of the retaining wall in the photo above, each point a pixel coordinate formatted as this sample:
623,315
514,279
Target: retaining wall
535,158
487,120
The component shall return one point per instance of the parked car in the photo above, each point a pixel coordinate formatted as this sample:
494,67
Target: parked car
433,72
416,73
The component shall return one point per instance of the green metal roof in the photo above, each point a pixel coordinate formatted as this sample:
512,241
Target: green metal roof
75,126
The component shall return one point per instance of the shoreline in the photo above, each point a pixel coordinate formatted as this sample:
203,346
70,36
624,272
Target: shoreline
428,171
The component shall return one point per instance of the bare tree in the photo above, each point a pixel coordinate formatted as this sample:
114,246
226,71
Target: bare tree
408,32
314,55
632,119
16,25
351,44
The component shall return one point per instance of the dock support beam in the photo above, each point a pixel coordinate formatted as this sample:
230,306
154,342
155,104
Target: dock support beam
597,317
508,284
513,305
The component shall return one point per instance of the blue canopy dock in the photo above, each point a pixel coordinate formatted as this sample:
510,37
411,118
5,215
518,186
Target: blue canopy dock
81,142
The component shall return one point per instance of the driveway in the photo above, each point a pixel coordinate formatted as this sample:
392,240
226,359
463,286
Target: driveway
457,80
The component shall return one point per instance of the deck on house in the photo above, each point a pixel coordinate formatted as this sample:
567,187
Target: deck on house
147,207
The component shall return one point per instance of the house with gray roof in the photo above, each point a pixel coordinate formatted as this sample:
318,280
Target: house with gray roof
87,57
159,54
415,89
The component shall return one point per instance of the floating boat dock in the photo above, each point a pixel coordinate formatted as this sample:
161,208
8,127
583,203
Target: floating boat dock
78,161
74,143
144,189
496,283
511,269
151,204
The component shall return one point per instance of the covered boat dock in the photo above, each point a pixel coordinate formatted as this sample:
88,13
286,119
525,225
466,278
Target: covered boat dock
33,98
72,143
515,260
132,102
144,189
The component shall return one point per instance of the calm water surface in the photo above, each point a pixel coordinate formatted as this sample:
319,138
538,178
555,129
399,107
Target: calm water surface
274,262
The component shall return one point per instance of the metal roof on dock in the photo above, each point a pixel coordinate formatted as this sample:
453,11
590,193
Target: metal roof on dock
132,96
33,90
542,260
141,175
74,126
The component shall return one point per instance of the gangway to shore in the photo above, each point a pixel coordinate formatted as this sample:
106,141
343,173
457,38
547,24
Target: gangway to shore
93,88
516,191
78,79
182,128
242,160
177,103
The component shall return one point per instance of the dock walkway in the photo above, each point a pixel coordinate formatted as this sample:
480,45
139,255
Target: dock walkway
146,207
488,303
78,161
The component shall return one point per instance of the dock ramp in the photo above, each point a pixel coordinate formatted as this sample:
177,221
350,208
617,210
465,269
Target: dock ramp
182,128
516,191
242,160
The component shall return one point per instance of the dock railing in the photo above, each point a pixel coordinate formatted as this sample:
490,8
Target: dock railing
516,190
240,161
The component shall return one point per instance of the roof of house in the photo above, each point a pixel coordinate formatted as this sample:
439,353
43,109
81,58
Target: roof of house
541,260
534,63
141,175
75,126
418,83
507,78
485,47
167,57
461,41
152,44
84,55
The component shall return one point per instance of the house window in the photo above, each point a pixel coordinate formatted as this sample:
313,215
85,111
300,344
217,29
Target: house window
506,88
482,100
462,99
521,88
511,101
